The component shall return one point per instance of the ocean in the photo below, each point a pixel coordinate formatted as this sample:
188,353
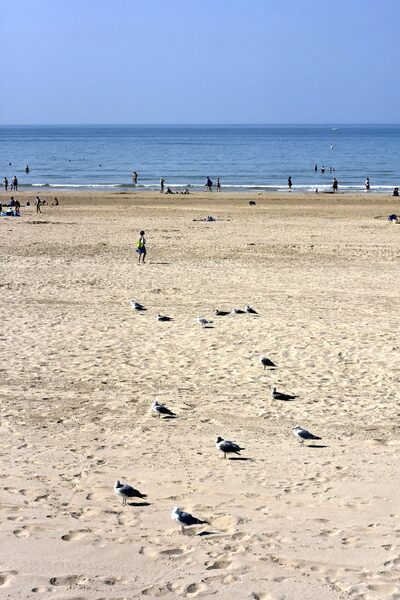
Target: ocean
245,157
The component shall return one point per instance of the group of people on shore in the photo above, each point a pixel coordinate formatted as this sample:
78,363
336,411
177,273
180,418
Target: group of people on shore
13,207
10,186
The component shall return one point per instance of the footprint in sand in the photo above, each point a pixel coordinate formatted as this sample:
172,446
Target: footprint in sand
68,580
218,564
73,536
6,577
21,533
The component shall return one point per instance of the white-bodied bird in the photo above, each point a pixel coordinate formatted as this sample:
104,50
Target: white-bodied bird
203,321
126,491
136,305
160,409
227,447
303,435
250,310
185,519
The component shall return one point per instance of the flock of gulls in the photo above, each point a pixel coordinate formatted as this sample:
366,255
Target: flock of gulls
184,519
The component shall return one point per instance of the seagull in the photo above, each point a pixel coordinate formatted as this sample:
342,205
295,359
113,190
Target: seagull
227,447
202,321
304,435
237,311
221,313
266,362
185,519
161,409
250,310
136,306
126,491
163,318
280,396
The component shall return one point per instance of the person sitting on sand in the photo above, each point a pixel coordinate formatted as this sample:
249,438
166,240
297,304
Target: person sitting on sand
169,191
141,247
55,203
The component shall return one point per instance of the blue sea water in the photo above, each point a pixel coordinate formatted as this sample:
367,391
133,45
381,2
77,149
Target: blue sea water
245,157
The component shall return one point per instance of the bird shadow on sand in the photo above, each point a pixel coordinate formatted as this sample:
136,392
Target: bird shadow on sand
317,446
159,263
139,503
208,327
242,458
168,417
285,399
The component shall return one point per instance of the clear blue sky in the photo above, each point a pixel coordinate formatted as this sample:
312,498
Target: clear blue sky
200,61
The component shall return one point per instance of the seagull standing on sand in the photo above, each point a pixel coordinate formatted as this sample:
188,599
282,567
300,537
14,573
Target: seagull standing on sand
227,447
304,435
126,491
136,305
237,311
250,310
280,395
185,519
202,321
163,318
266,362
160,409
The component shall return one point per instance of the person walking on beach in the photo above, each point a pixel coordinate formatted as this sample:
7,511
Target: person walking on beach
209,184
38,204
218,185
134,177
141,247
15,183
367,186
5,183
162,181
289,182
335,185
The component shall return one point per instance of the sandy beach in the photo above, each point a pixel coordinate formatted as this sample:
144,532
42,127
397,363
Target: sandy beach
80,368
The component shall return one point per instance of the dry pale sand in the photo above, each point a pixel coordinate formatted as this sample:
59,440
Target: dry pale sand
79,370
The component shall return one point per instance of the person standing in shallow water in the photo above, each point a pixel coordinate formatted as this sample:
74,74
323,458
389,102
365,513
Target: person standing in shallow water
141,247
289,182
218,185
335,185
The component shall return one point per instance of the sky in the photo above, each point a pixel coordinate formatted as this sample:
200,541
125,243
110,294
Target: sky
199,61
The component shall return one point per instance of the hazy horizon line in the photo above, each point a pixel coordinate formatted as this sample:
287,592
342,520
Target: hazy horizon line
260,124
